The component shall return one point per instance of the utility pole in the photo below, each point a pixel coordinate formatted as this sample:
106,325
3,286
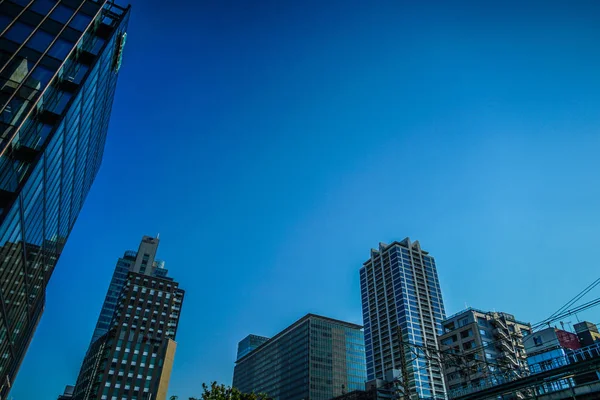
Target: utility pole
403,366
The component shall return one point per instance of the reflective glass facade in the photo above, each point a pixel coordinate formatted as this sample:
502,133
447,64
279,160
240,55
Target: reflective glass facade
403,312
112,296
58,72
249,343
316,358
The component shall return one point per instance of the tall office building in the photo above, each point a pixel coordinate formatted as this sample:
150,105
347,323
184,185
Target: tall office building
315,358
59,63
143,261
133,345
403,312
249,343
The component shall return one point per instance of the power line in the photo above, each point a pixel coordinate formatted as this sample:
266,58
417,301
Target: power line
461,361
466,359
567,313
572,301
488,344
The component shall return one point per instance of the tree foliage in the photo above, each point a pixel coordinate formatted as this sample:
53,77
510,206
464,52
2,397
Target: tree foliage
222,392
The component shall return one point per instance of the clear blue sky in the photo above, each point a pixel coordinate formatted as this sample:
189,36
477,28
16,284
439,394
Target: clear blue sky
273,143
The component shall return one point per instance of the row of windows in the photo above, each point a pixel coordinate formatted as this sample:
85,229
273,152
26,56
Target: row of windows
49,211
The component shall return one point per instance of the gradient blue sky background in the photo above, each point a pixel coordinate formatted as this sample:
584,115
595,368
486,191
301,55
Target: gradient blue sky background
273,143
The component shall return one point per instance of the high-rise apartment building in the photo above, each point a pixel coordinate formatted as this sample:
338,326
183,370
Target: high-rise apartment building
315,358
403,312
59,62
132,352
249,343
482,348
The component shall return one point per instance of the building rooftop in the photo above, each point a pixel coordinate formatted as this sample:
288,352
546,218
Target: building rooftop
473,309
406,243
585,326
293,326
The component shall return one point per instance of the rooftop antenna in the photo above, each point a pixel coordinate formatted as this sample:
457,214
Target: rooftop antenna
158,235
570,325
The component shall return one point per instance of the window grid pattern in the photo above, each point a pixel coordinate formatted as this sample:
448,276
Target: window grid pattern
48,167
491,342
315,358
110,302
402,303
33,49
337,359
249,343
129,360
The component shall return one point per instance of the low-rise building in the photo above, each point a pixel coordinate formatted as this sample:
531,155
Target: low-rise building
589,337
587,333
548,349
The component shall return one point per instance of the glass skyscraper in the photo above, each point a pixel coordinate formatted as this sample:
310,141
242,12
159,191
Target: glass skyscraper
316,358
59,63
403,313
133,345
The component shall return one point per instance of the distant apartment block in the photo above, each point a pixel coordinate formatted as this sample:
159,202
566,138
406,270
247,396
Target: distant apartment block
403,312
315,358
482,345
249,343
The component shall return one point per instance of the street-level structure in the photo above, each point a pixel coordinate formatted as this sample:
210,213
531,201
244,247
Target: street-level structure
587,333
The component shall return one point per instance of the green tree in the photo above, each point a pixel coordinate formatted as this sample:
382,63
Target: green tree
222,392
